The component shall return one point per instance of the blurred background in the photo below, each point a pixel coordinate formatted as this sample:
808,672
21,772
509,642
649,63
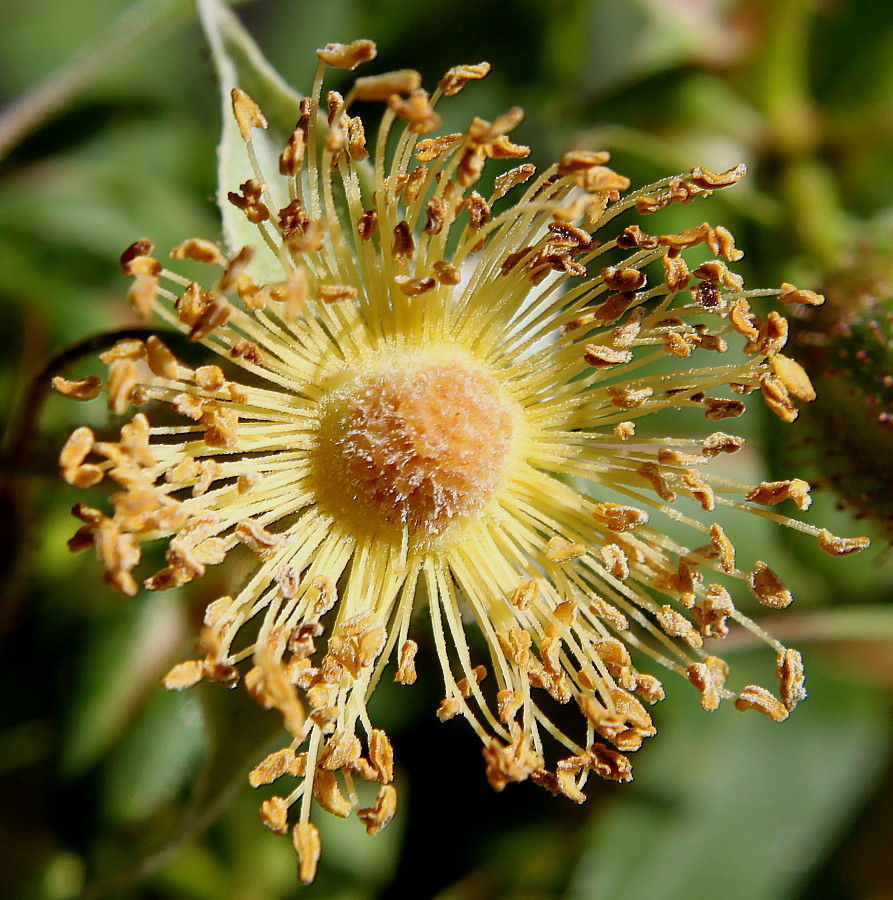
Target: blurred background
111,787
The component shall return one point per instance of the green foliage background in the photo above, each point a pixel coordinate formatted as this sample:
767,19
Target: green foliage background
110,787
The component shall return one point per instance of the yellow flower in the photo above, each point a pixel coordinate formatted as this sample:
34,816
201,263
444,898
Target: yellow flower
434,404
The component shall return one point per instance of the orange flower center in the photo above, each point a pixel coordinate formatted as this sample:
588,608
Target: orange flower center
422,445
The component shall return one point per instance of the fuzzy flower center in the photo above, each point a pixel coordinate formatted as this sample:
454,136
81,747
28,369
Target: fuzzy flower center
420,445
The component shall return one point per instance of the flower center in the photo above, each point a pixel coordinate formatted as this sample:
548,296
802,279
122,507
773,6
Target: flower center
421,445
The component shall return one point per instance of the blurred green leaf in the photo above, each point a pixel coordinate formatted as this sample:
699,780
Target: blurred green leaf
122,660
157,757
731,805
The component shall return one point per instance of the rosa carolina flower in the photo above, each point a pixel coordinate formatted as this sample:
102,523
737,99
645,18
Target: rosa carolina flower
448,410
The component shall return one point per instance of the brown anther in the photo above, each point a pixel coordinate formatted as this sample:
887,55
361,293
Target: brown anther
712,610
209,378
525,594
724,548
768,493
188,405
619,518
457,77
249,201
247,350
162,362
305,838
676,625
381,87
581,160
515,644
601,180
340,750
615,561
514,762
708,677
263,542
651,473
199,250
600,357
430,148
624,430
676,273
464,685
237,394
718,273
416,109
247,113
718,409
791,678
130,348
507,704
633,236
184,675
790,294
449,708
406,671
413,287
137,258
502,184
201,311
649,688
80,389
348,56
838,546
377,817
609,763
274,814
332,293
777,398
758,698
142,294
679,345
620,279
706,294
793,376
447,273
381,755
719,442
220,425
403,246
704,178
327,795
309,237
275,765
437,212
773,334
561,550
121,384
292,157
700,490
248,481
628,397
742,321
478,211
767,587
367,224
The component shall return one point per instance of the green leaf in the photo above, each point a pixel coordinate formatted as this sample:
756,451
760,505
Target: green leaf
733,805
121,664
240,63
159,754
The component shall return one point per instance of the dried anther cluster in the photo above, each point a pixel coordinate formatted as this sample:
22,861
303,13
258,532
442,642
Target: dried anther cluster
440,400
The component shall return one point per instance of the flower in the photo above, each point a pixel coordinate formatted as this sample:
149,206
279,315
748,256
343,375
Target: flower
435,403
